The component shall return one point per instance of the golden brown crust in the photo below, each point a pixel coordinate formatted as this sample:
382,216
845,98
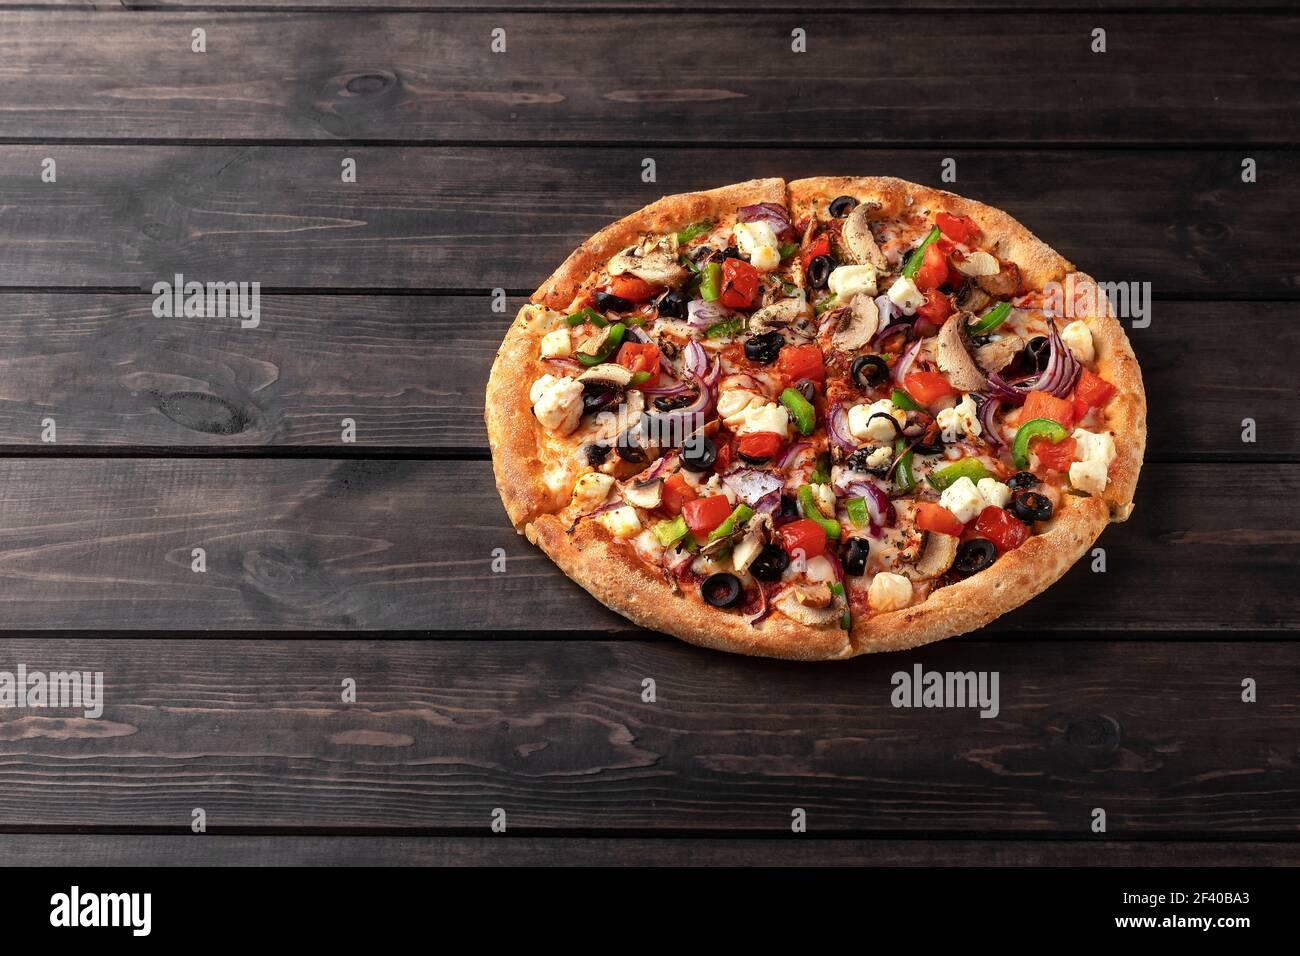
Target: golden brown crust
668,214
620,580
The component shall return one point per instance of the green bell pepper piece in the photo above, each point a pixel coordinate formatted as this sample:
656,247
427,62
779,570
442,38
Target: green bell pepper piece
824,304
918,254
990,320
586,315
787,250
694,231
846,619
821,469
639,377
711,282
902,400
971,468
903,476
738,517
1035,428
610,346
724,328
858,513
808,505
669,531
801,410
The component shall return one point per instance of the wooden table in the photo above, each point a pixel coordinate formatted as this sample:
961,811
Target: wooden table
372,560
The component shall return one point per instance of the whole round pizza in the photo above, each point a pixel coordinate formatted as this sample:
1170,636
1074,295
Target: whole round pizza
816,419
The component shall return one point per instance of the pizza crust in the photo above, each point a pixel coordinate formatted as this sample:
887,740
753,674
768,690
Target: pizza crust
621,581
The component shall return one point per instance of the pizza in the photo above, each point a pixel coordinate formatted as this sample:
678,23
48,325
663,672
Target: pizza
815,419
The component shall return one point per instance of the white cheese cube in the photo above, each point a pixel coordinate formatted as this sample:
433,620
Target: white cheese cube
847,281
591,490
904,294
557,344
559,405
961,419
880,457
824,497
1078,338
763,418
621,522
993,492
1094,446
889,592
1089,476
757,242
540,386
864,429
963,499
732,403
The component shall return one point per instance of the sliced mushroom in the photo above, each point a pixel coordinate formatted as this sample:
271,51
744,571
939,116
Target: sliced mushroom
977,264
1004,284
971,298
627,416
954,361
593,344
857,324
936,557
779,315
644,494
751,545
998,354
858,241
792,607
608,373
653,259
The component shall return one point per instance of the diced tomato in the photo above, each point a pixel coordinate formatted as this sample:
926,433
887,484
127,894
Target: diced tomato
1057,457
937,307
821,246
633,289
802,361
677,492
933,271
927,387
803,535
1005,530
1081,408
1046,405
760,445
640,357
1093,389
726,454
739,284
704,514
935,517
957,228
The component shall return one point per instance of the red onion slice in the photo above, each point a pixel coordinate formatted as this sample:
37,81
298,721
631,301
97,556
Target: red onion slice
701,314
882,510
752,485
673,388
764,607
792,453
988,409
774,214
769,504
1057,378
904,364
837,429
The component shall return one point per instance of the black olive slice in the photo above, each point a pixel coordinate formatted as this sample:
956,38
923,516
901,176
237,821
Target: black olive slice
869,371
841,206
974,556
770,563
1030,506
674,305
605,301
699,453
722,590
764,348
856,552
819,271
1022,479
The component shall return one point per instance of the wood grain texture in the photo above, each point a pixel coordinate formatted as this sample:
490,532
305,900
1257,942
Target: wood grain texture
458,218
411,370
557,734
433,77
153,850
408,545
612,6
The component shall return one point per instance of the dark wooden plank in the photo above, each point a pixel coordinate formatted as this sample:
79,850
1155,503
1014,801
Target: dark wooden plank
432,76
255,733
668,6
88,849
410,371
366,544
456,218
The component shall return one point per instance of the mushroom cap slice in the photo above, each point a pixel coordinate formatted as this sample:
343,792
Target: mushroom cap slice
652,259
954,361
997,355
858,324
857,240
608,373
644,494
1003,284
789,605
779,314
936,557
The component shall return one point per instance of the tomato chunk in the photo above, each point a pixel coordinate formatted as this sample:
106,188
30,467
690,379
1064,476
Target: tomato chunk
800,362
1093,389
1057,457
804,535
677,492
640,357
935,517
1005,530
633,288
957,228
739,284
1045,405
937,307
927,387
760,445
821,246
933,271
704,514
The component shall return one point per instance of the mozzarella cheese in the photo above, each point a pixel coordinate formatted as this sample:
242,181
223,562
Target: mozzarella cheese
1078,338
732,403
621,522
863,428
1089,476
904,294
819,569
993,492
963,499
591,490
961,419
1097,451
557,403
889,592
880,457
847,281
824,497
763,418
757,242
557,344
